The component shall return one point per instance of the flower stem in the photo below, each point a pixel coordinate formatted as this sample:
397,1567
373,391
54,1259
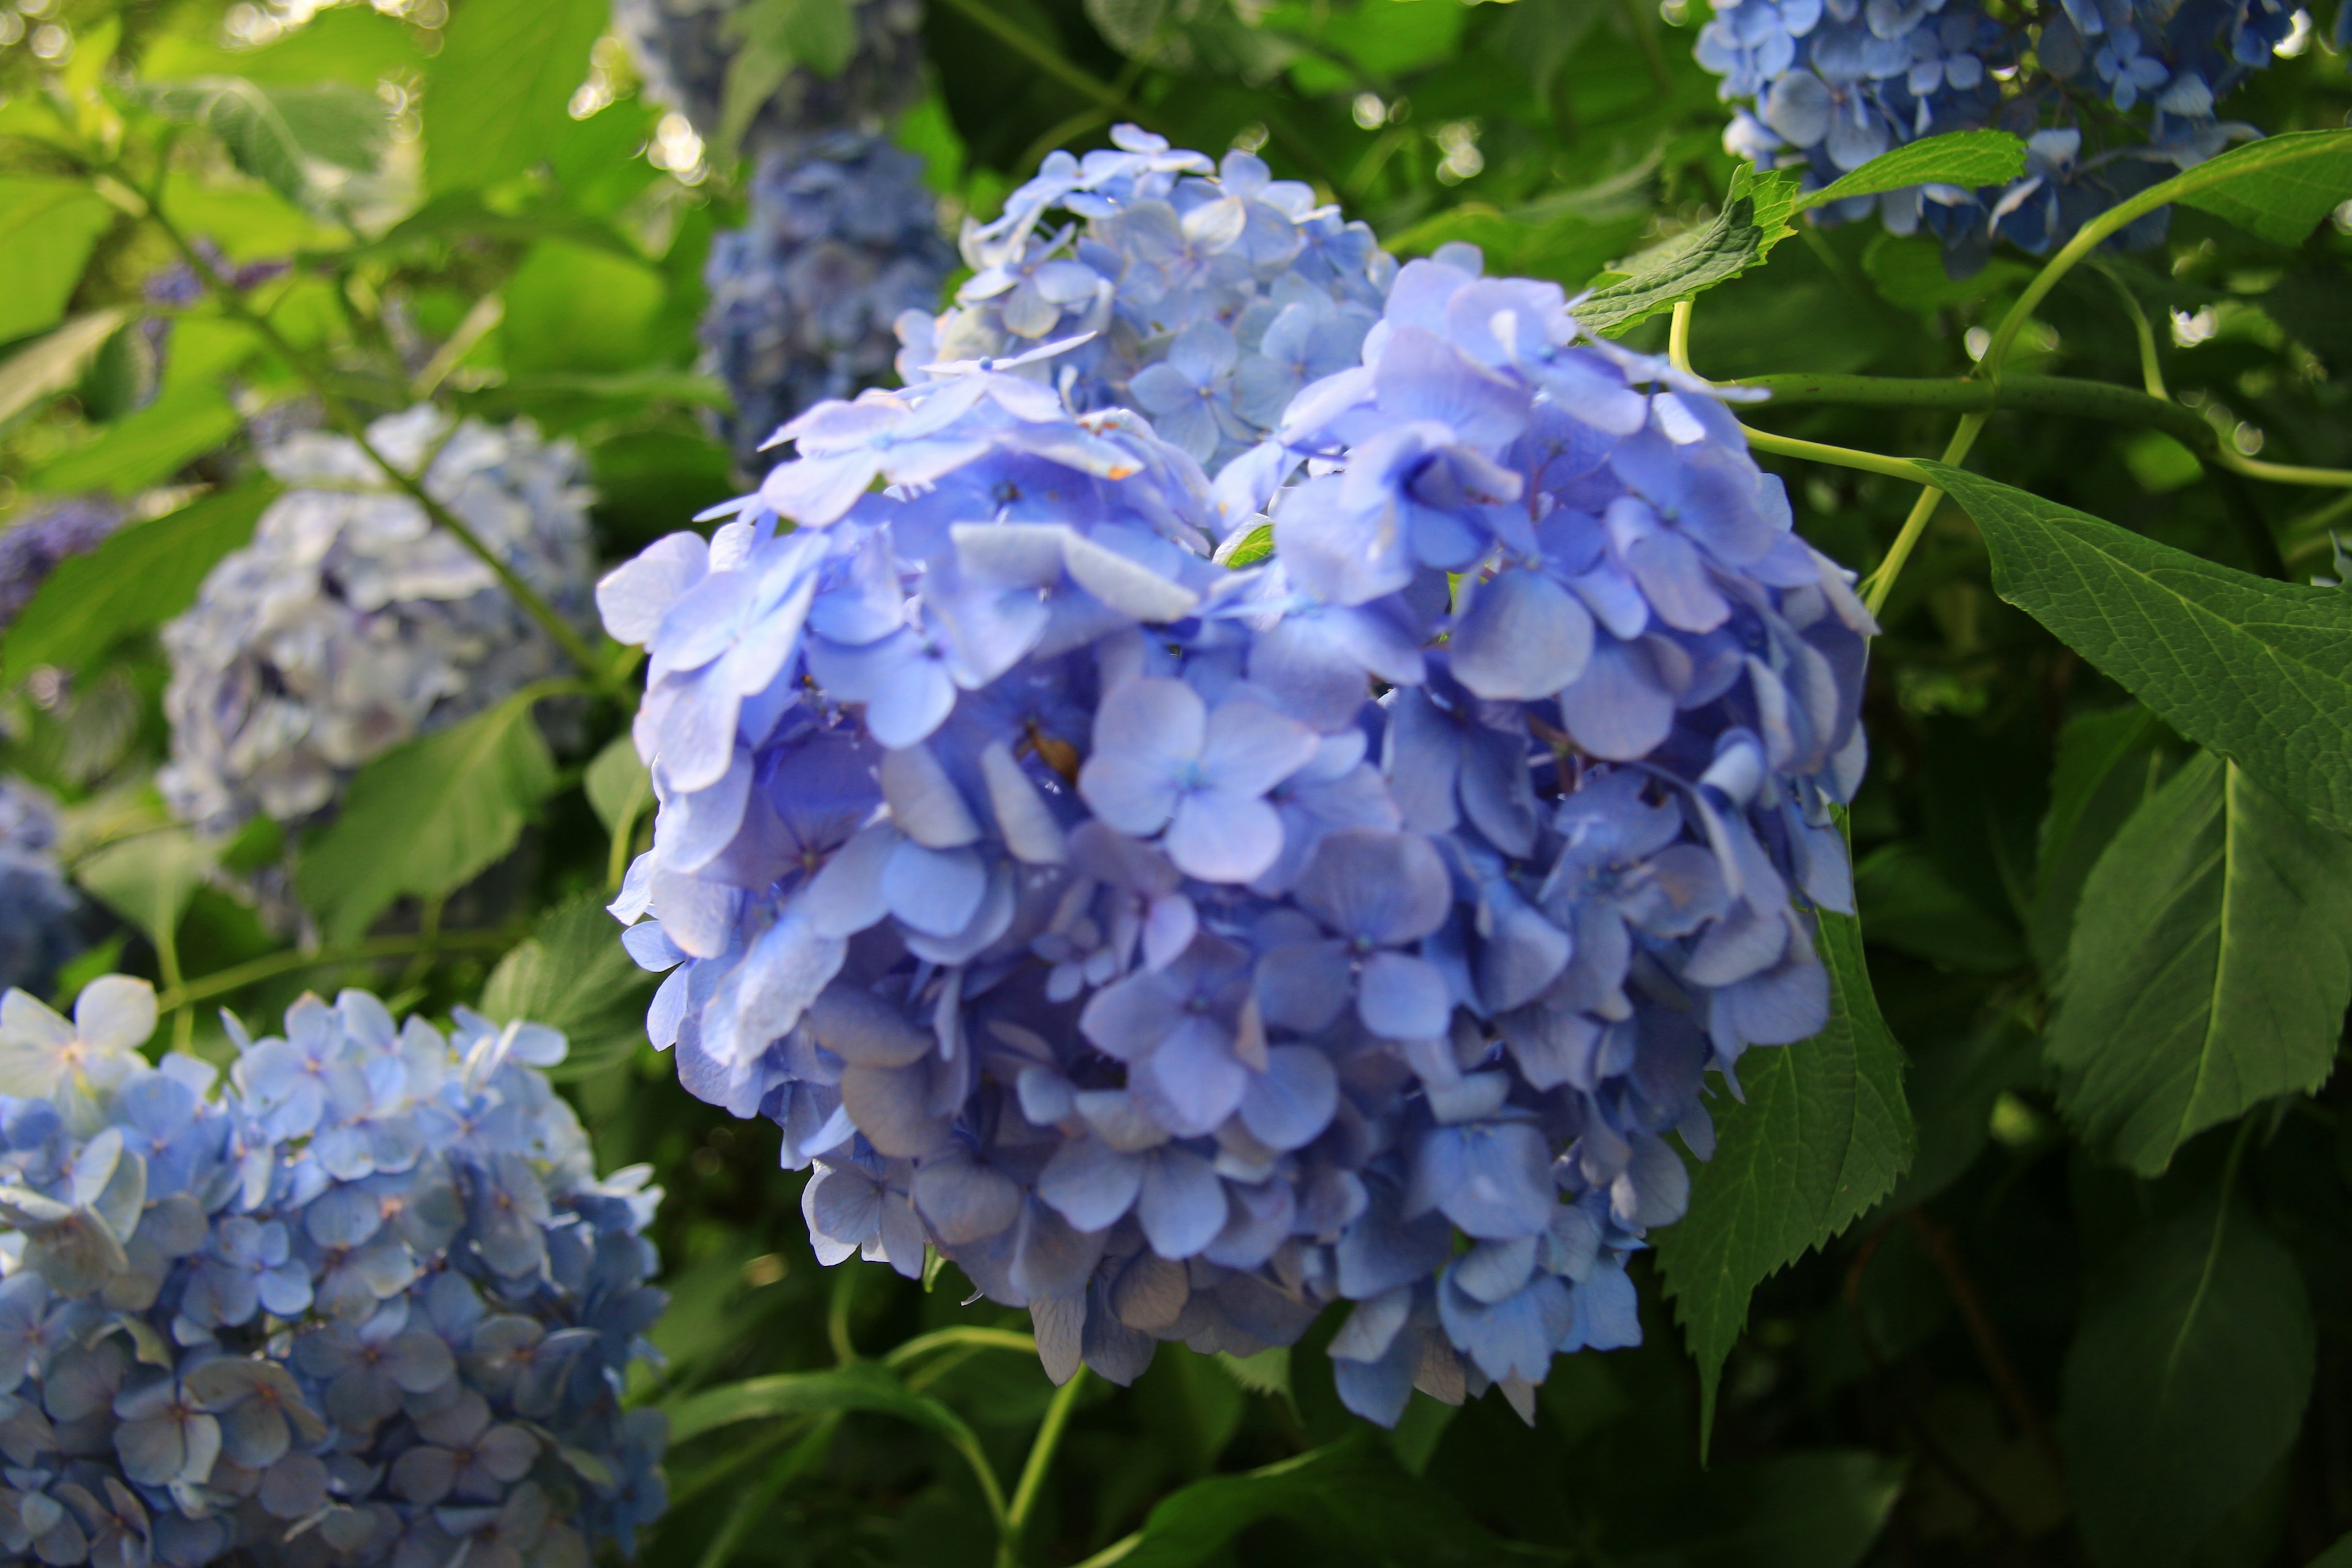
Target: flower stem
1033,1472
220,982
1837,457
959,1337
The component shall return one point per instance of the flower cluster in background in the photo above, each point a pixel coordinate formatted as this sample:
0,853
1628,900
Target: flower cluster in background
1074,907
2113,96
352,623
1212,292
363,1300
843,238
39,913
693,57
32,546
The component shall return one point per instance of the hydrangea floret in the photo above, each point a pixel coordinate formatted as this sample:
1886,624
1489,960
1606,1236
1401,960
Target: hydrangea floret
41,914
1180,951
361,1300
844,239
351,622
2112,96
1213,291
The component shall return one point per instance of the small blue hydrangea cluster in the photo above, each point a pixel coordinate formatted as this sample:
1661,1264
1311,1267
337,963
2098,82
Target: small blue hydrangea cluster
364,1302
843,238
2112,97
39,913
691,55
1180,949
32,546
351,622
1212,292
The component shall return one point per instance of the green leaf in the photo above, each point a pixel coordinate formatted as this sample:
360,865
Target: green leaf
2280,187
1753,219
2209,967
2108,762
140,578
1907,270
1823,1135
250,125
571,308
2337,1556
1969,158
54,363
618,785
334,123
860,1385
149,879
2252,668
1817,1509
144,447
355,44
1352,1494
47,230
1914,908
502,86
427,817
572,974
2185,1384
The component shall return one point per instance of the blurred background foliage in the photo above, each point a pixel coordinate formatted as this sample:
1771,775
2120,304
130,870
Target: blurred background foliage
2027,1354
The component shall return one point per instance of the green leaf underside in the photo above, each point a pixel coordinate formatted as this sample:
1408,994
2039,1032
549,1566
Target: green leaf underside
502,87
427,817
2279,188
2252,668
2208,968
1352,1493
2185,1385
1753,219
618,784
1969,158
1824,1134
137,580
862,1385
149,879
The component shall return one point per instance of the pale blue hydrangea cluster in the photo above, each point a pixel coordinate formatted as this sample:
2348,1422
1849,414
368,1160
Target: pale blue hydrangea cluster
1179,949
39,913
1213,291
693,58
362,1301
843,238
352,623
32,546
2113,96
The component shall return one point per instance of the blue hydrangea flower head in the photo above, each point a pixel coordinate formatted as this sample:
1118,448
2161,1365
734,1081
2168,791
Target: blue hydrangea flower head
1213,291
361,1300
691,55
41,914
2119,94
351,622
31,547
1182,951
844,239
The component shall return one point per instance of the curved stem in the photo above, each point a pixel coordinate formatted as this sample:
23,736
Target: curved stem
836,1314
1678,336
2017,394
2278,473
222,982
1836,457
2151,369
1033,1472
959,1337
1882,582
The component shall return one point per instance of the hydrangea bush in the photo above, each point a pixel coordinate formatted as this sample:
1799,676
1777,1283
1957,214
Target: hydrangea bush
1076,908
2112,96
361,1299
1208,293
352,623
843,238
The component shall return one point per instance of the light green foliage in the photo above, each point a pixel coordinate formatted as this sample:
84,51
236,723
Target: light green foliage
2210,965
2184,1385
572,974
1825,1133
144,447
1966,158
1753,219
426,816
272,131
47,230
149,879
2280,187
502,85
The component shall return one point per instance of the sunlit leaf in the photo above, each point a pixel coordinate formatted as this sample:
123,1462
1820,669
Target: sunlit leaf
1966,158
146,446
52,364
500,89
2280,187
1753,219
149,879
47,230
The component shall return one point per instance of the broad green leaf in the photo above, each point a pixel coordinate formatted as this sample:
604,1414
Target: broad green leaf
250,125
427,817
1968,158
1753,219
54,363
2252,668
334,123
2185,1384
2280,187
572,308
2337,1556
47,230
502,86
1914,909
1352,1494
1126,25
149,879
861,1385
2210,969
137,580
1823,1135
1908,272
619,787
144,447
357,46
1808,1509
572,974
2108,762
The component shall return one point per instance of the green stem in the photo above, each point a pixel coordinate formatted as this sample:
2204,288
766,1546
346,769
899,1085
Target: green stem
223,981
836,1314
2151,369
2016,393
561,631
948,1339
1033,1472
1882,582
803,1456
1837,457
